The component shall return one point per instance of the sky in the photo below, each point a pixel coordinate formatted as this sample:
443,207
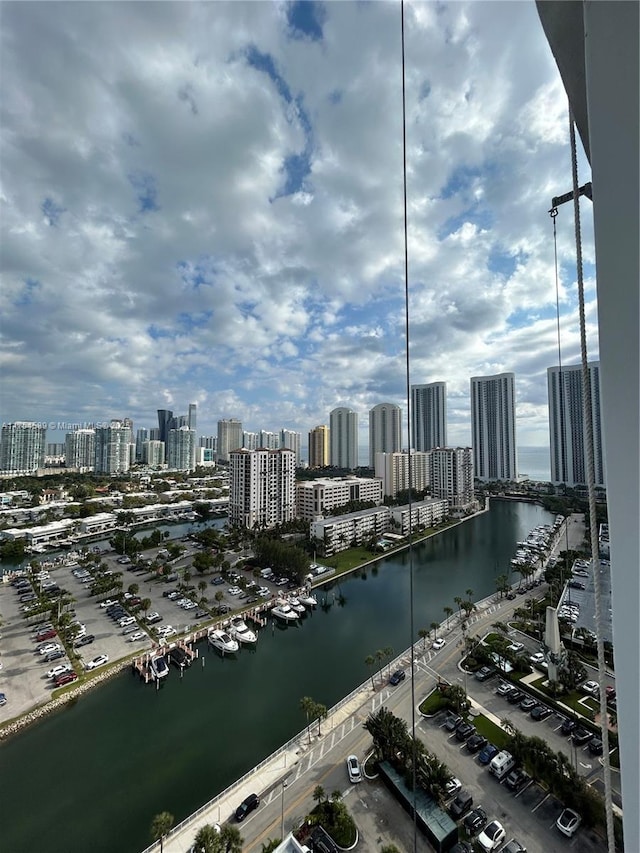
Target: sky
203,202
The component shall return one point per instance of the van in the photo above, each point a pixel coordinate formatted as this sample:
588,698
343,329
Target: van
502,764
266,573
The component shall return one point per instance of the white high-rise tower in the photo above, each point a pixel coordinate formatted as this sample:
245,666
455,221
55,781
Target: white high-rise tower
429,415
343,436
493,426
385,430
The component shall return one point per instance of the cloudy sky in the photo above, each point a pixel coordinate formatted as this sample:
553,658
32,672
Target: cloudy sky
203,203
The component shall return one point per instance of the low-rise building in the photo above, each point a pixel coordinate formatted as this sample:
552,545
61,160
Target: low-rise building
420,515
318,498
353,528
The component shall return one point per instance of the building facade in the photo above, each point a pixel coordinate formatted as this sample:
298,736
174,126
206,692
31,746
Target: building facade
181,449
290,440
452,475
250,440
385,430
22,447
567,426
229,438
429,415
80,449
317,498
422,514
261,488
393,471
319,447
113,449
343,531
153,453
269,440
493,427
343,438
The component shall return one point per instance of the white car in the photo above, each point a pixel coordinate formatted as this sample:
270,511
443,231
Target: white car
353,769
264,592
491,836
100,660
234,590
138,635
568,822
438,644
126,621
591,687
58,670
453,786
108,602
515,647
190,605
538,657
50,647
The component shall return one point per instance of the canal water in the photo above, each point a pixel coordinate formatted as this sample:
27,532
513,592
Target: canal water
91,777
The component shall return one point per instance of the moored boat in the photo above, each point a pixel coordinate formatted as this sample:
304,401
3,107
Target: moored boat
239,630
222,641
159,667
283,611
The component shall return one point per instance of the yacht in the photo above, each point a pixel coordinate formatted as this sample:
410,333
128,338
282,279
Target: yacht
295,604
223,642
159,667
308,600
283,611
240,631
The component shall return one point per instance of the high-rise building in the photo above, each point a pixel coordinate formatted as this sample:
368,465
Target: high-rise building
290,440
385,430
393,470
429,415
567,432
208,441
55,449
261,487
22,447
343,438
142,435
80,449
229,438
493,425
165,423
452,475
192,416
250,440
319,447
181,449
269,440
113,449
153,453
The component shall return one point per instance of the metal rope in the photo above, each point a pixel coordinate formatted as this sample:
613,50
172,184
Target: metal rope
410,442
595,561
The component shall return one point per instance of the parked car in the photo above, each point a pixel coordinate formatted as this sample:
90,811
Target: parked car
464,731
568,822
581,736
461,805
487,753
452,722
476,743
475,820
568,726
591,687
527,703
65,678
100,660
537,658
58,670
504,688
514,697
515,647
247,806
595,746
438,644
491,836
59,653
453,786
540,712
517,779
48,648
353,769
137,635
514,846
398,676
3,699
49,634
485,673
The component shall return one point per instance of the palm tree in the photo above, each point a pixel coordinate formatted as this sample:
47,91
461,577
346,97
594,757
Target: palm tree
448,611
434,628
369,661
307,705
202,585
379,659
423,634
161,826
320,711
232,841
318,794
207,839
388,653
145,604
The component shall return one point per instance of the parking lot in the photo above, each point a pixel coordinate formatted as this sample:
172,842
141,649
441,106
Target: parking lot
528,816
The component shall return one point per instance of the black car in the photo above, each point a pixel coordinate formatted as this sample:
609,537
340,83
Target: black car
511,595
568,726
475,820
514,697
540,712
464,731
576,585
461,805
398,676
461,847
452,722
516,780
84,641
484,673
527,703
247,806
595,746
514,846
476,743
581,736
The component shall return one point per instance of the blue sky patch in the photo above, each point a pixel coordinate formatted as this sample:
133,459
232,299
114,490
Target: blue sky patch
502,263
31,285
335,97
52,211
305,19
475,214
147,193
264,62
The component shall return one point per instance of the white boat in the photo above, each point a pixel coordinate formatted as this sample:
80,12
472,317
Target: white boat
159,667
283,611
308,600
295,604
223,642
240,631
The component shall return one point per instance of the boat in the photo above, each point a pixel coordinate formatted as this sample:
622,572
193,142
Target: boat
308,600
222,641
240,631
283,611
295,604
159,667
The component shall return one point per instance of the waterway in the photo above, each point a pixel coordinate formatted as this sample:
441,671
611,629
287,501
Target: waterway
93,776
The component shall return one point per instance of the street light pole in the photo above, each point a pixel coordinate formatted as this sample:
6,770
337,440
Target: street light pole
284,785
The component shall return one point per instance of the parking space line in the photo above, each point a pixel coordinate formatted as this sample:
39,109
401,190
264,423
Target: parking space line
540,803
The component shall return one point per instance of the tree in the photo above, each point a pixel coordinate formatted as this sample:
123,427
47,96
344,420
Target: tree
434,628
161,826
208,839
133,588
231,839
318,794
369,661
458,601
388,653
423,634
448,611
307,705
379,659
320,711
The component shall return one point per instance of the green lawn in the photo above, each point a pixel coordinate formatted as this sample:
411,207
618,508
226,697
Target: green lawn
433,703
490,730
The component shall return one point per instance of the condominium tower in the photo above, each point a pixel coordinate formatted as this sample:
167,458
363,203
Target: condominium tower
493,426
261,487
113,448
385,430
22,447
429,415
452,475
343,429
181,453
319,446
80,449
229,438
290,440
567,432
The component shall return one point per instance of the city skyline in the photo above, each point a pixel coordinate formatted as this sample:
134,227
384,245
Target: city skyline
154,256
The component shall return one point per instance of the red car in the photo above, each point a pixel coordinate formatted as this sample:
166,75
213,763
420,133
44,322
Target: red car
65,678
45,635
